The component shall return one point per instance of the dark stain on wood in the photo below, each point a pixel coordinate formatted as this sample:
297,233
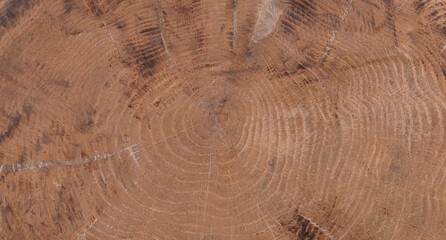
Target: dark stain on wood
199,36
86,125
68,6
14,123
13,10
390,13
302,228
299,11
91,111
419,5
143,57
151,31
94,9
370,3
443,70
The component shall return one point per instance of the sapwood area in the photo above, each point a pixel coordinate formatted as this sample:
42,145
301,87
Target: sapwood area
223,119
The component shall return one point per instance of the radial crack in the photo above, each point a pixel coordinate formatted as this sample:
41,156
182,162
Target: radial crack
132,154
301,226
323,229
234,23
111,36
82,236
161,20
106,28
333,35
53,163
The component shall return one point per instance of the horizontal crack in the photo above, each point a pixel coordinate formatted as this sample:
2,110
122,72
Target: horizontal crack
53,163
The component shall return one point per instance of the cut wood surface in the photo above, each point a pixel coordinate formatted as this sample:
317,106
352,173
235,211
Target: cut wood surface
223,119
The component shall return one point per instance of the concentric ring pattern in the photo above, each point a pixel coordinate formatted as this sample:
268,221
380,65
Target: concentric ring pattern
233,119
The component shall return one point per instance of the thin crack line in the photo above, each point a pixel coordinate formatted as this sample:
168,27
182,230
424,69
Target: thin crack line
323,229
132,155
53,163
113,39
333,35
318,226
106,28
234,23
82,236
161,21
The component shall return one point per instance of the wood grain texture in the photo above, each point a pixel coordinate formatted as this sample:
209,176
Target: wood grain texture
231,119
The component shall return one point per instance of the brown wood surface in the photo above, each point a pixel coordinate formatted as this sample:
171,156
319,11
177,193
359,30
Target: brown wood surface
223,119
